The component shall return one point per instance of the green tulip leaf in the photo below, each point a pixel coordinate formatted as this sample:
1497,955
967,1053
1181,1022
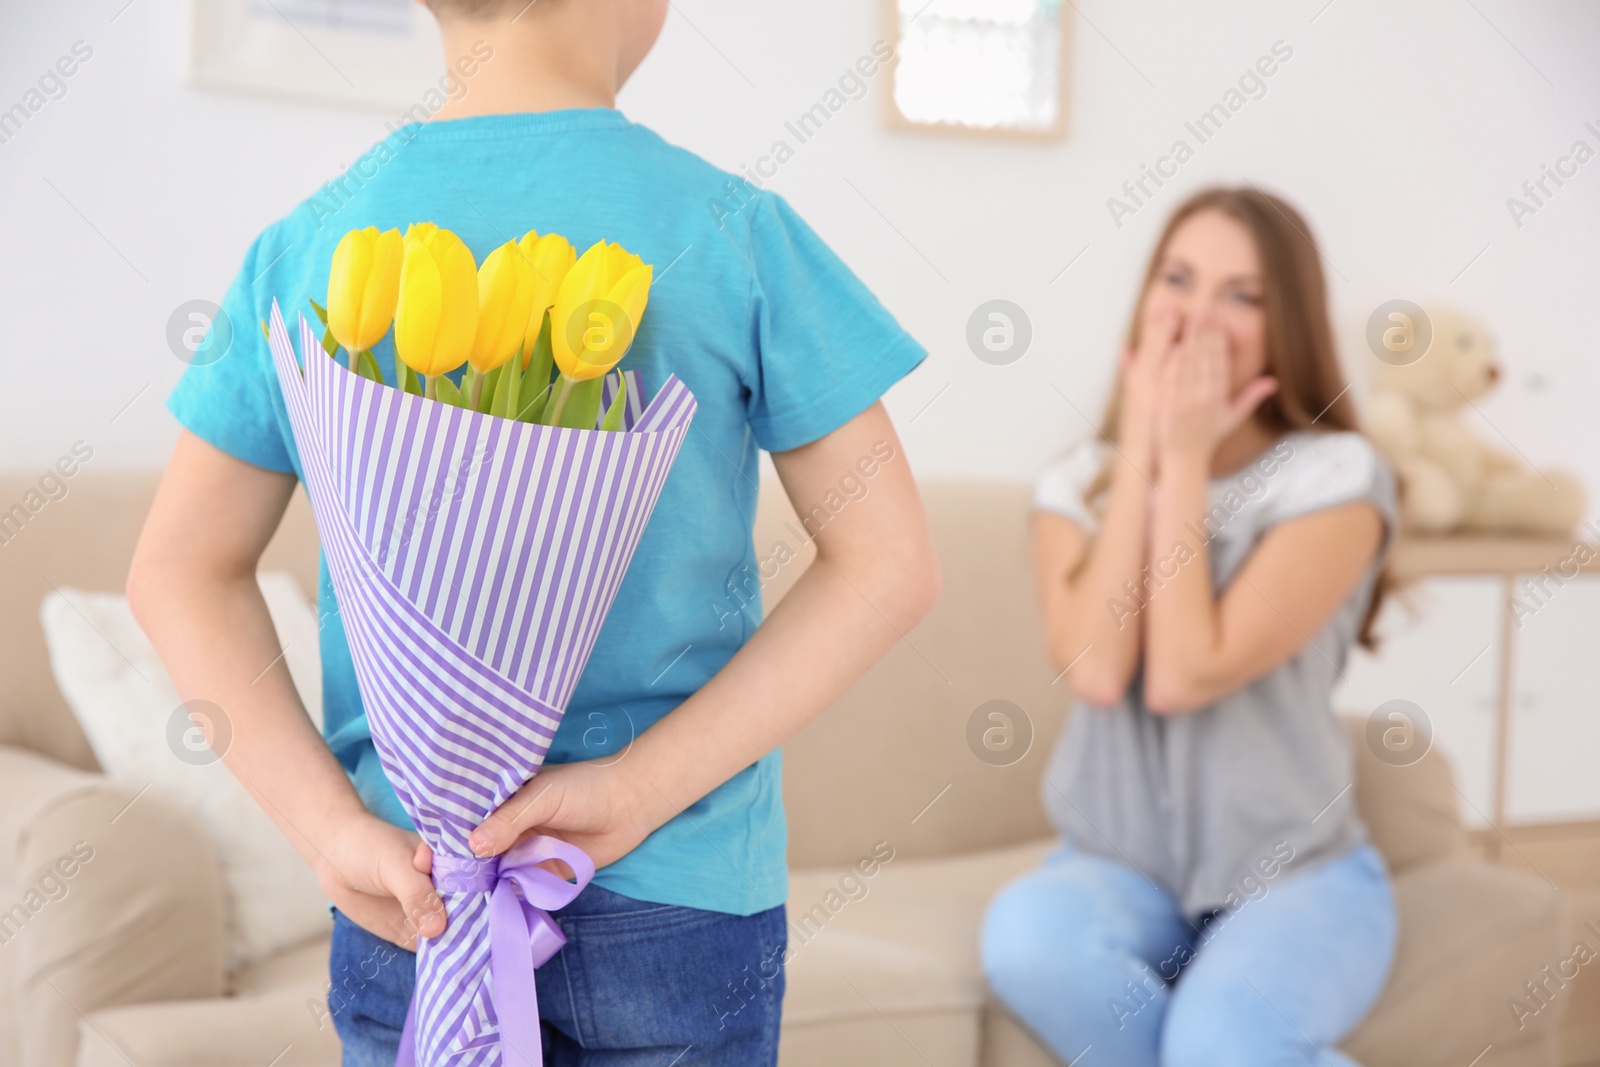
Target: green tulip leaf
447,392
264,331
532,395
583,405
542,361
491,383
533,408
367,366
508,389
322,312
410,380
329,345
613,420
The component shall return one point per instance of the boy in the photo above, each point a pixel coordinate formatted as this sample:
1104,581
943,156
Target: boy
784,350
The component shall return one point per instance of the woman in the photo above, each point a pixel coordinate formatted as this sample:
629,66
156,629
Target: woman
1204,567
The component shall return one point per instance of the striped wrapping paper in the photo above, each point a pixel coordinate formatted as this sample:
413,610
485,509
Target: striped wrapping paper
474,559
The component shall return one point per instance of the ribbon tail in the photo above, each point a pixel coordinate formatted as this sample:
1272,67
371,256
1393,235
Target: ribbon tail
408,1038
516,998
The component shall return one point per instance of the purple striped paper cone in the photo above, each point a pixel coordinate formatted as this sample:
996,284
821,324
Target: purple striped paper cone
474,558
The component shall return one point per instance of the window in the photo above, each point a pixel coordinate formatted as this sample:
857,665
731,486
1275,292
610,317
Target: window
980,65
392,17
380,54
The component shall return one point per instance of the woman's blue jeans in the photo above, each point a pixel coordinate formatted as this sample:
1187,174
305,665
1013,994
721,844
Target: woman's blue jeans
1100,964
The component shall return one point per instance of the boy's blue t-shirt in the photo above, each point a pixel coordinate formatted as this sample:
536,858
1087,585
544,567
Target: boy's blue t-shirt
779,341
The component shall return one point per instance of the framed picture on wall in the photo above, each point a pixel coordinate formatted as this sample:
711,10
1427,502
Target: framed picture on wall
379,54
997,67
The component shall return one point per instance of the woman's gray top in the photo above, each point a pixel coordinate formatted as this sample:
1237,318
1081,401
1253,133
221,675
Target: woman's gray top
1203,803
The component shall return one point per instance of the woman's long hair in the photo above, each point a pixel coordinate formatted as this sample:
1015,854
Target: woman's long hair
1312,392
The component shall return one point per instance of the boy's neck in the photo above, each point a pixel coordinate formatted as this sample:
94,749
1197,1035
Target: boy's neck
534,65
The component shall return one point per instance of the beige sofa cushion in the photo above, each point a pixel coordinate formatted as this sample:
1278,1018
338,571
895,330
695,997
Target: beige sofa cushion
893,978
1007,1043
898,739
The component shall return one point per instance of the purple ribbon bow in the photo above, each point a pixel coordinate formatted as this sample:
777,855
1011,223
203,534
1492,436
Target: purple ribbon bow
522,935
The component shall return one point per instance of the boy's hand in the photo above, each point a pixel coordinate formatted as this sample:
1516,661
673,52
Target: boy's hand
378,875
596,806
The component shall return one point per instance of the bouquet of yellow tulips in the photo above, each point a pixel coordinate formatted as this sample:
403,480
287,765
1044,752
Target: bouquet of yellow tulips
538,326
470,624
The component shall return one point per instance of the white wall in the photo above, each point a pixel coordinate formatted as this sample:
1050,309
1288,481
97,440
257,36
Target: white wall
1399,129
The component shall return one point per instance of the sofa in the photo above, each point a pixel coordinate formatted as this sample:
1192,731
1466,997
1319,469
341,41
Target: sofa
127,969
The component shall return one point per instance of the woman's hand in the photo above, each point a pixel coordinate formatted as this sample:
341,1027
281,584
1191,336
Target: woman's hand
1142,374
378,875
1196,409
597,806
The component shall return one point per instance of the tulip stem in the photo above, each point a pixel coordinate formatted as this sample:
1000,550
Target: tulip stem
430,386
477,387
558,403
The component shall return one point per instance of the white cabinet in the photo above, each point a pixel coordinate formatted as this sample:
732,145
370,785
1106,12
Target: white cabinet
1440,651
1553,773
1539,736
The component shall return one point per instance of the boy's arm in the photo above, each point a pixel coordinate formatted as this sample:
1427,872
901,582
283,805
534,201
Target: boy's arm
875,575
193,588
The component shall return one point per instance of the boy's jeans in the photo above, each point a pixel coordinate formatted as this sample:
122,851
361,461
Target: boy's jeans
637,984
1090,954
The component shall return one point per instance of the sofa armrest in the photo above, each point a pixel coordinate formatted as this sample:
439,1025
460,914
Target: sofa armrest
277,1014
1471,935
114,897
1412,810
256,1031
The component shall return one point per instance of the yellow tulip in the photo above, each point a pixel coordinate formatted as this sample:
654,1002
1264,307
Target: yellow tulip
551,257
363,286
597,311
505,295
620,261
437,316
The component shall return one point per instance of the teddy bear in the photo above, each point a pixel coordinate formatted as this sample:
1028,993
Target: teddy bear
1451,480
